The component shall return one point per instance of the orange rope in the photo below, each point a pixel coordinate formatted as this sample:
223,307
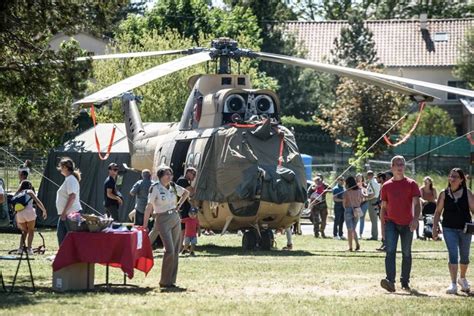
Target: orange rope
405,138
109,148
282,143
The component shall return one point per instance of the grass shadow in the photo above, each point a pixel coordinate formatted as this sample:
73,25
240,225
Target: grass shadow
23,295
413,292
211,250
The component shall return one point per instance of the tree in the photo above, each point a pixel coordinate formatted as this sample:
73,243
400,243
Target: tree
360,154
355,45
36,91
433,121
408,9
361,105
358,104
310,10
164,99
465,67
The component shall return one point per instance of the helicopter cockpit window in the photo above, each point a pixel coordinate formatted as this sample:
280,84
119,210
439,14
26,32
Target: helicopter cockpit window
226,81
197,160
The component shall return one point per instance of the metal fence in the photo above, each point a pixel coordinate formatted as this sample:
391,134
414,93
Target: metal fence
11,159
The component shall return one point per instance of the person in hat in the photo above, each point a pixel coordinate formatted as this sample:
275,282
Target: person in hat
112,197
191,231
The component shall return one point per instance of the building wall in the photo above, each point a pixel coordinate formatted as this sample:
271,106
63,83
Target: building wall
86,41
439,75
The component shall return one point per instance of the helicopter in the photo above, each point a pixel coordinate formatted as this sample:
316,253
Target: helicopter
250,175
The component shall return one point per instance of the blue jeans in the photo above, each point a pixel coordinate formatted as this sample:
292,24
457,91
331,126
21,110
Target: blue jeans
338,219
457,240
364,207
392,232
61,231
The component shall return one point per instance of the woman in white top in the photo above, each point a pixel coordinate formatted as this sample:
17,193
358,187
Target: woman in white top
26,218
163,200
67,197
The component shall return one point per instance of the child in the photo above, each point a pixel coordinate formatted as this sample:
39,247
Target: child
26,218
191,229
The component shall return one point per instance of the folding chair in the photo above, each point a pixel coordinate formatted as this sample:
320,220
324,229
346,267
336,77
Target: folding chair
20,259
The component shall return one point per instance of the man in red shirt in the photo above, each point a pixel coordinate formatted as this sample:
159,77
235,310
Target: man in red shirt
400,212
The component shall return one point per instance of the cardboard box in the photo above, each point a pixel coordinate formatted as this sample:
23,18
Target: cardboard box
79,276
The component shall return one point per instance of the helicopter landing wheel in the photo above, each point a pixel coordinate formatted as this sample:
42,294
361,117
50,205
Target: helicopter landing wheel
249,240
266,242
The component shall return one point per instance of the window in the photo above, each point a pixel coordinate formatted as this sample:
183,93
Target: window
441,37
163,160
197,159
189,160
456,84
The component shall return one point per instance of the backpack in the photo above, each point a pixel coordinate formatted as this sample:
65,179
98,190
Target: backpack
21,200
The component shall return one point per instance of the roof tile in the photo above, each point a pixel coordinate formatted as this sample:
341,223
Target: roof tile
399,43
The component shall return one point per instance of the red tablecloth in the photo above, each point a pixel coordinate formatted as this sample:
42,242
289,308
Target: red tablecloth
118,249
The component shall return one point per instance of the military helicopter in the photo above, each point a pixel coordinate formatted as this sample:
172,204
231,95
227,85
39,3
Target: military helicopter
250,173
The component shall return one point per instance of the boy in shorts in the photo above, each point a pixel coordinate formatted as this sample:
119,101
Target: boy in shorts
191,230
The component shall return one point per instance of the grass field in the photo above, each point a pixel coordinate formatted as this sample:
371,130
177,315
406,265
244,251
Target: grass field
318,277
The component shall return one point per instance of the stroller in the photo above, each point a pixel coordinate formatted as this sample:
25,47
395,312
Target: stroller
428,218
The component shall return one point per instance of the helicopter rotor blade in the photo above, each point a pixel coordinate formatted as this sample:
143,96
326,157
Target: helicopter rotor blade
378,79
144,77
131,55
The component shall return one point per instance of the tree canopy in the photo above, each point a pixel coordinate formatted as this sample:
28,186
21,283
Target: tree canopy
465,67
36,91
358,104
164,99
433,121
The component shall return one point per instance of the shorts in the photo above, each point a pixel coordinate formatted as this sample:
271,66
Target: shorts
190,240
349,218
27,215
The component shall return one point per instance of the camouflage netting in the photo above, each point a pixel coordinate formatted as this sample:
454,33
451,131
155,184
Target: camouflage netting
242,163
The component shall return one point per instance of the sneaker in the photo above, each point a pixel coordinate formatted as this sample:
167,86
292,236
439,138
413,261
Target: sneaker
19,251
30,252
381,248
465,286
336,238
452,289
406,288
342,238
192,254
388,285
288,247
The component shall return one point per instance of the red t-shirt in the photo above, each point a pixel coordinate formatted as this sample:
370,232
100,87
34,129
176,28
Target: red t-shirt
399,197
191,226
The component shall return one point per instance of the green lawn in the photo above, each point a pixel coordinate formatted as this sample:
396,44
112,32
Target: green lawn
318,277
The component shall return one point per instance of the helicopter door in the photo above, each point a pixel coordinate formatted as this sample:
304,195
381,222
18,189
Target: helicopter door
178,158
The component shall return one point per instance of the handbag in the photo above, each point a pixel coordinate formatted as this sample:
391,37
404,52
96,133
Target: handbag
469,228
357,212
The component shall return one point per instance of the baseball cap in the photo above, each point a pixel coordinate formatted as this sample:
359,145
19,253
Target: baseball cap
113,165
